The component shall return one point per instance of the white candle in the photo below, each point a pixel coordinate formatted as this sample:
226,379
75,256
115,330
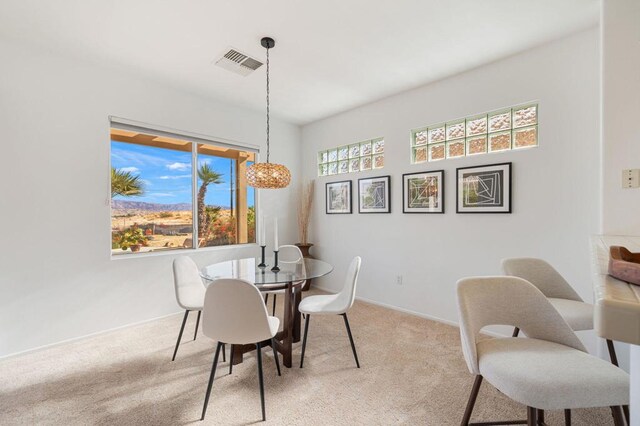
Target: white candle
275,233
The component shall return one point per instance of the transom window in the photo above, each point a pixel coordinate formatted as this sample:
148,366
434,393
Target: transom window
502,130
159,182
361,156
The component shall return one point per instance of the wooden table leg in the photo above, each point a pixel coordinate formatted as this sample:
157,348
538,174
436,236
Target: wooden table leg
297,317
287,342
290,334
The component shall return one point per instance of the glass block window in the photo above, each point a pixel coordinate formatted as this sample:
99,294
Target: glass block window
501,130
361,156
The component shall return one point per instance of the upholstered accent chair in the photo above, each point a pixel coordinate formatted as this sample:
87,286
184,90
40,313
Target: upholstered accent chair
575,311
548,370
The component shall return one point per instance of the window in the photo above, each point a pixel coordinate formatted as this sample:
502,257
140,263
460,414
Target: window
502,130
156,192
352,158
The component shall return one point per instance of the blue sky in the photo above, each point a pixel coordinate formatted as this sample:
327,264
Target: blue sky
166,174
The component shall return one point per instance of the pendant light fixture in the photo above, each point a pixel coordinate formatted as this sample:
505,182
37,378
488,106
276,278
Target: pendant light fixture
268,175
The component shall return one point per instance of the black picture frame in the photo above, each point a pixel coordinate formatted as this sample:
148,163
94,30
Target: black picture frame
349,197
440,200
498,188
385,195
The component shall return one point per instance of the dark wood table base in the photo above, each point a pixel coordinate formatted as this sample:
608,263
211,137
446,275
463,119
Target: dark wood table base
290,333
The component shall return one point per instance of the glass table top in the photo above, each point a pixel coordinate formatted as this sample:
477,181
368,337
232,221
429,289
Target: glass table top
248,270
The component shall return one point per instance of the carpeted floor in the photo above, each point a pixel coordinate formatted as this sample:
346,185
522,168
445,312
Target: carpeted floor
412,373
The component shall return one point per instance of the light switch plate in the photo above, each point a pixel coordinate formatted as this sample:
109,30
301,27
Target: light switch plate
631,178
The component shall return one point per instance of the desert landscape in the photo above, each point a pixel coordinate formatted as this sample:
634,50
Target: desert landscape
144,227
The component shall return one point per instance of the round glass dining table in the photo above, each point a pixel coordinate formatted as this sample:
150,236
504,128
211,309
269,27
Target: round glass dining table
264,278
289,278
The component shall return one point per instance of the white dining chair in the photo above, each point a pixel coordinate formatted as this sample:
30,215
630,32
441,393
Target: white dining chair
334,304
575,311
286,254
548,370
189,293
234,313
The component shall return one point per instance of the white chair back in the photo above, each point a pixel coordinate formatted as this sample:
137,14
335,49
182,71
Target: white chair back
234,313
484,301
292,254
187,282
542,275
347,295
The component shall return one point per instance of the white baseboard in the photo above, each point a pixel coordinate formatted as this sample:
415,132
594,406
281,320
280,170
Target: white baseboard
411,312
86,336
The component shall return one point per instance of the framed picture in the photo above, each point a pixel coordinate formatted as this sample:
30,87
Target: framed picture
374,195
423,192
484,189
339,197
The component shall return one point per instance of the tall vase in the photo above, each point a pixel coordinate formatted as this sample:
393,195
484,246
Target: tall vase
304,249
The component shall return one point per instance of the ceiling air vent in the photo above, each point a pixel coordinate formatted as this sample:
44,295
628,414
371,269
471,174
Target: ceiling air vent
238,62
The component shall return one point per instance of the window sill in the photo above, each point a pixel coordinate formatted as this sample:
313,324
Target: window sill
178,252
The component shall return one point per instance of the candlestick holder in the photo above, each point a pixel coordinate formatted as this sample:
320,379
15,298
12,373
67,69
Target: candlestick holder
275,262
262,264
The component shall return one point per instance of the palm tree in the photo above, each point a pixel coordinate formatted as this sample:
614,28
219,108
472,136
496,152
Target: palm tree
125,183
207,176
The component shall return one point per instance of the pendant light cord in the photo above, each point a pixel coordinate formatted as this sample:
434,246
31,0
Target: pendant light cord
267,104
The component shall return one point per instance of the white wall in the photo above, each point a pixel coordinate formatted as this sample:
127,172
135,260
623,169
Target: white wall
621,138
620,113
56,278
555,186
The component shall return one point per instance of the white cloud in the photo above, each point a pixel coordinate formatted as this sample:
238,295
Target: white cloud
174,177
161,194
179,166
129,169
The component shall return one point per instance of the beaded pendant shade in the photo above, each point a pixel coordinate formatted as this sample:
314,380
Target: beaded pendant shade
268,175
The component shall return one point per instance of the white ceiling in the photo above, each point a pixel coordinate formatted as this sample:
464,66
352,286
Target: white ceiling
330,55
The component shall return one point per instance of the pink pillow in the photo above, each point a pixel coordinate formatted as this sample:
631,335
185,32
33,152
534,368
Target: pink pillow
624,265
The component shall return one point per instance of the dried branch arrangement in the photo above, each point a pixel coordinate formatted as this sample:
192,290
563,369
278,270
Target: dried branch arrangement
305,200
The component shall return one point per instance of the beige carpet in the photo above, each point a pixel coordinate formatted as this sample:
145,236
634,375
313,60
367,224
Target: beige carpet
412,373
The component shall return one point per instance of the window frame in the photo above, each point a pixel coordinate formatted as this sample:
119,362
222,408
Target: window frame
372,155
487,134
195,139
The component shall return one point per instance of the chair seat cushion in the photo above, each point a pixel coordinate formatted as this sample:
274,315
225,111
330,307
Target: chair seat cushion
550,376
323,305
579,315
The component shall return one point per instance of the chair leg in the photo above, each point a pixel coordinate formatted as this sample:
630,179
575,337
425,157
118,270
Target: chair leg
274,306
231,361
304,339
258,347
625,410
266,298
275,354
567,417
516,331
197,324
618,417
541,416
612,352
211,377
472,400
224,352
532,416
353,346
184,321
